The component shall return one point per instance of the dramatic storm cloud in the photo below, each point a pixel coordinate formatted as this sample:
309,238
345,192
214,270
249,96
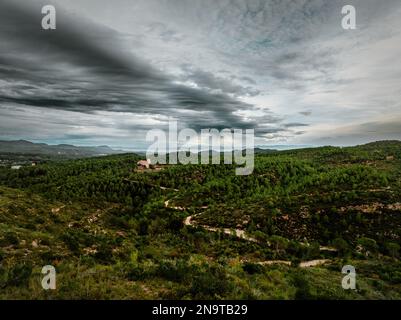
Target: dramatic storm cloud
114,69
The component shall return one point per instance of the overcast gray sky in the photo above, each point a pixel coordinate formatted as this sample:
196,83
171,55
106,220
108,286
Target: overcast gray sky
114,69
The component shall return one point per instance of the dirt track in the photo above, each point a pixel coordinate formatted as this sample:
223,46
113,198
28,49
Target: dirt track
239,233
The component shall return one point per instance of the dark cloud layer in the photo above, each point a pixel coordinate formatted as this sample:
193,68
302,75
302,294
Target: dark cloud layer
83,67
284,68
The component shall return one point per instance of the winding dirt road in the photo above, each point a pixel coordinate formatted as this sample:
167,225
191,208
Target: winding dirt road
233,232
239,233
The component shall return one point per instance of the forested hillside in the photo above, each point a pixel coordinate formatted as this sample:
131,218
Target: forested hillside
200,231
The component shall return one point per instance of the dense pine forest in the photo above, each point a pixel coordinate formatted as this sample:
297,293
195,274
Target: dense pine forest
200,232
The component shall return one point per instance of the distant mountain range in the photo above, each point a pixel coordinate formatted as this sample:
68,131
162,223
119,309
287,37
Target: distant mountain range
26,148
66,150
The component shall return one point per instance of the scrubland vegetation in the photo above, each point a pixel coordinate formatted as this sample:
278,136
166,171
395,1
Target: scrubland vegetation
107,229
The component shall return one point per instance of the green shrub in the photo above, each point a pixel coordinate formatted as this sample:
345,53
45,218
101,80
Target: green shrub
19,275
303,291
11,238
252,268
212,284
393,249
341,245
71,241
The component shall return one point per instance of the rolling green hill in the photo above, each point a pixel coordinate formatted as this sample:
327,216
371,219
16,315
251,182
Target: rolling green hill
201,232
